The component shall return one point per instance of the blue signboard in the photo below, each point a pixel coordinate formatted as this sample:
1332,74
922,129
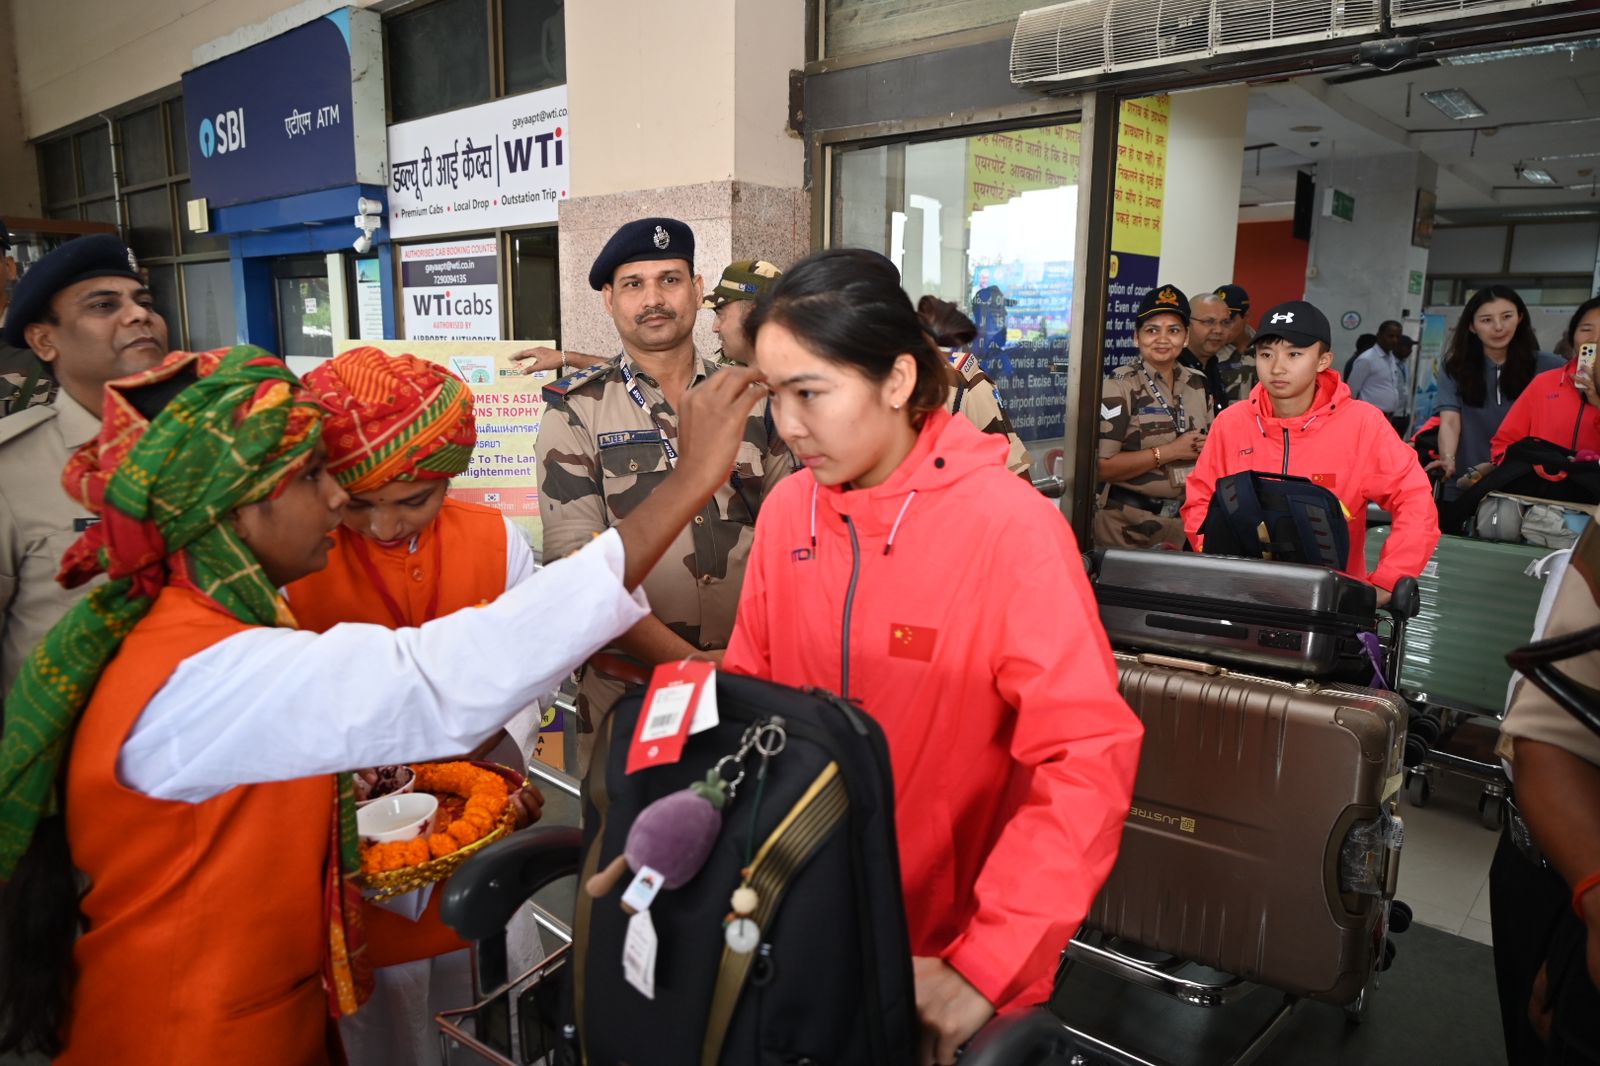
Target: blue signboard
275,119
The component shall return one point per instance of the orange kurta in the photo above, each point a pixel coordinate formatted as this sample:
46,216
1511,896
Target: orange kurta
204,935
470,541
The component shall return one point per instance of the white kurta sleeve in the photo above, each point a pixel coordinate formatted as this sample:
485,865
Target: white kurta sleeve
274,704
519,556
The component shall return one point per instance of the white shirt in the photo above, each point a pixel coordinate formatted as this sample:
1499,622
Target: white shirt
272,704
1378,379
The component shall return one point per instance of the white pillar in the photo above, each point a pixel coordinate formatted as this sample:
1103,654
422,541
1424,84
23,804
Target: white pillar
1201,216
1364,264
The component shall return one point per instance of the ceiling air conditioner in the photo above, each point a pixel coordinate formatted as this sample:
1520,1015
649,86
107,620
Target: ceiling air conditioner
1431,12
1084,38
1249,25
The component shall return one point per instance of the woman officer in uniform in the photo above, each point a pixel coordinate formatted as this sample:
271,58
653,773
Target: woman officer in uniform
1153,421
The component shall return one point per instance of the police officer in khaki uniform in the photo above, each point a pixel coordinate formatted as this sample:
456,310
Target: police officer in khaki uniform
1153,417
607,440
85,310
24,382
736,292
1236,360
971,394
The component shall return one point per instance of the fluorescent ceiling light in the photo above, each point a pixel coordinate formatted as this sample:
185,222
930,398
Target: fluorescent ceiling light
1564,47
1535,175
1454,104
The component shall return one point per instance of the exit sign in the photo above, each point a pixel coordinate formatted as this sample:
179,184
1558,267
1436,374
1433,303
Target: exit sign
1339,204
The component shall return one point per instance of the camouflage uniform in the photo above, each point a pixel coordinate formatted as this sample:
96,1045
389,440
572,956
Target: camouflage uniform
975,398
1143,512
1238,371
599,456
19,366
38,523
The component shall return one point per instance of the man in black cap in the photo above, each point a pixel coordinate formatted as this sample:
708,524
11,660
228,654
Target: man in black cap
1235,363
85,311
23,380
729,301
1303,421
608,439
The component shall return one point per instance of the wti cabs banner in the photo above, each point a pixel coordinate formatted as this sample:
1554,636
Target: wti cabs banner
499,165
451,290
508,406
293,114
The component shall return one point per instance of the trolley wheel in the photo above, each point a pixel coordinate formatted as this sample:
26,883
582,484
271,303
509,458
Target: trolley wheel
1491,811
1419,790
1399,916
1355,1011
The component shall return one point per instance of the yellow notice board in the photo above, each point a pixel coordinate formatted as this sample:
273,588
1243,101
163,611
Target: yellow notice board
1141,175
509,406
1003,166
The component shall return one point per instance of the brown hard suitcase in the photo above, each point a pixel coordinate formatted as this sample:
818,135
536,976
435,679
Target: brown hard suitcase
1261,841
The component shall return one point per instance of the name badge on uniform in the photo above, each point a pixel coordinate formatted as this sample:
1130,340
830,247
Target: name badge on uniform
83,525
629,436
1155,409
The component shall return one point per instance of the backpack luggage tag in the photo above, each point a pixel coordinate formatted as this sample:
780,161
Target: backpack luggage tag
671,838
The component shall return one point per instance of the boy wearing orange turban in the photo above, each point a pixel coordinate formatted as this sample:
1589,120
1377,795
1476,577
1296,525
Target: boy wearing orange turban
398,428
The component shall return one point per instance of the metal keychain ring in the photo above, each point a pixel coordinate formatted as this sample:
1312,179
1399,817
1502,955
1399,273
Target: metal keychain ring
771,740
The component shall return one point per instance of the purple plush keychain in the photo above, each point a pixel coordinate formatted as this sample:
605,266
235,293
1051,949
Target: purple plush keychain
674,835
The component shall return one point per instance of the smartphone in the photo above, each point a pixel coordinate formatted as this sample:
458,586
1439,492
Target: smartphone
1586,354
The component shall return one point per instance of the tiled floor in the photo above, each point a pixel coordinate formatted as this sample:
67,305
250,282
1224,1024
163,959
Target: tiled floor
1444,866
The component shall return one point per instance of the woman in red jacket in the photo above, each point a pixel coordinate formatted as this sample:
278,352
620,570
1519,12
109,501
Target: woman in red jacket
908,570
1561,405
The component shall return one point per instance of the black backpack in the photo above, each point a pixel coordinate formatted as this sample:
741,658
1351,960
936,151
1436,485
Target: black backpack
1531,467
831,979
1257,515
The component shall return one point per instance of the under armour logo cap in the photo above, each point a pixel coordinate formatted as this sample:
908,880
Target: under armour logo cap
1297,322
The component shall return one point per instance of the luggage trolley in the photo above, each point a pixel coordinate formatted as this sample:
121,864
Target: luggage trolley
1267,795
1479,600
515,1020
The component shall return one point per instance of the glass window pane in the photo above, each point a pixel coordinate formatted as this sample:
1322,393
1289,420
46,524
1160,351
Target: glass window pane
536,286
94,161
101,211
987,223
438,58
305,317
180,144
195,243
150,224
164,287
535,36
60,179
70,213
208,303
144,147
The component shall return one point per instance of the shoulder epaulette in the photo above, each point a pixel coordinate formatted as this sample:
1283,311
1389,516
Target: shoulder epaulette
14,426
559,388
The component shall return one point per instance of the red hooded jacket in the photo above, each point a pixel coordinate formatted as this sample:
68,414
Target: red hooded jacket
1342,444
1550,408
950,603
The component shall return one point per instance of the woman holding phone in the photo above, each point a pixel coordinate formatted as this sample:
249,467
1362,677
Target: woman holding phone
1561,405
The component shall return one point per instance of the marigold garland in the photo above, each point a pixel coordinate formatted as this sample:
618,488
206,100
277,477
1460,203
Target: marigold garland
486,794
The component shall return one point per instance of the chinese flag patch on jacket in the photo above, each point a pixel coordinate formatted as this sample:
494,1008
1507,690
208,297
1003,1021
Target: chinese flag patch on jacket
912,642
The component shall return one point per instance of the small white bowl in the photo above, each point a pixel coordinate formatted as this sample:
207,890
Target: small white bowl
391,818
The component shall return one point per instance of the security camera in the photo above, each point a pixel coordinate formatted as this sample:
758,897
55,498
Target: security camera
1389,53
1313,143
362,244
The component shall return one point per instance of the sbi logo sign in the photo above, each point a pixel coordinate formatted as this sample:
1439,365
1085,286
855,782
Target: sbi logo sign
223,134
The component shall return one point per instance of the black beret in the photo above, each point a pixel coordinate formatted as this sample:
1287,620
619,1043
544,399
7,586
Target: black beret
99,255
1164,300
640,240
